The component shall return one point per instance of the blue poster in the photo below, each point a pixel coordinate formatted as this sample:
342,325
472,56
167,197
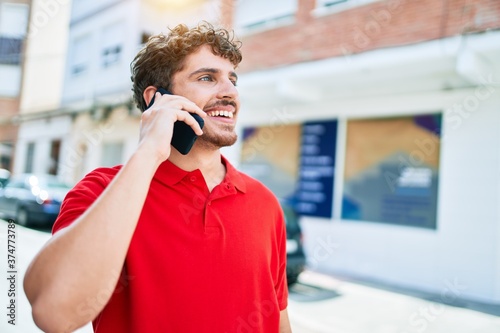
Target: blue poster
392,170
314,195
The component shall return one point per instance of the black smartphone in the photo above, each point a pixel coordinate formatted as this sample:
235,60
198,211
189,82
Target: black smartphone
184,137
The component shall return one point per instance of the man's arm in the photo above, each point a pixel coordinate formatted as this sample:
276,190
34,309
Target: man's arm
85,259
285,322
73,277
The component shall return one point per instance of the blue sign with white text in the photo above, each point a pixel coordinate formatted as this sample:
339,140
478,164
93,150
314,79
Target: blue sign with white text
314,195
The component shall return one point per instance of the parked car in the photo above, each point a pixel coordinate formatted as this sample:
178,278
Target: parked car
296,259
32,199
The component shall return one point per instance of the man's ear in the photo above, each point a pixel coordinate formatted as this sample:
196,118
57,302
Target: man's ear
148,94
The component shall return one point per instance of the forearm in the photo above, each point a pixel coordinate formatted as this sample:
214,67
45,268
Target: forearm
73,276
285,322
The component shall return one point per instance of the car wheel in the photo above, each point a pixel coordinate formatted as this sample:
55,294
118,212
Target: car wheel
22,217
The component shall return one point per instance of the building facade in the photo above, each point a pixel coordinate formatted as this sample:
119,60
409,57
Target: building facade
103,40
13,30
85,117
379,122
41,129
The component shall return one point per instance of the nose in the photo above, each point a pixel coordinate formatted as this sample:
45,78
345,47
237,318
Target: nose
227,90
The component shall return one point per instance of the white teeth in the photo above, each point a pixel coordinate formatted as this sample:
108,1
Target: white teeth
218,113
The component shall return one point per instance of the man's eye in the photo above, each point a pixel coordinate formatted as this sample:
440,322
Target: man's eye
234,83
206,78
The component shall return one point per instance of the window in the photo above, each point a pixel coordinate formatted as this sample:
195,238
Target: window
112,154
80,58
30,155
13,26
145,37
329,6
6,149
263,13
111,55
112,40
10,50
55,149
388,176
328,3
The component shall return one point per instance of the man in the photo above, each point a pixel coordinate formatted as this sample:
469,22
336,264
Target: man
169,242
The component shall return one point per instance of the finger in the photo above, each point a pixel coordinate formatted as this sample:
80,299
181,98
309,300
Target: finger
182,103
189,120
193,108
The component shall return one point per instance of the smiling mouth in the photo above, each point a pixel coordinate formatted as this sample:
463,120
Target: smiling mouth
220,113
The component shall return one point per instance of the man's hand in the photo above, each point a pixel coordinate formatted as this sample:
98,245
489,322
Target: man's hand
157,122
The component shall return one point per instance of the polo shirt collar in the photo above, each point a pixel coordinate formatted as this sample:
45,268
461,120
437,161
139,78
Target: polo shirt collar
170,174
233,176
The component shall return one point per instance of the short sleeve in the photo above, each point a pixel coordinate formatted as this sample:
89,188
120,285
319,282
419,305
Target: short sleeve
83,195
281,285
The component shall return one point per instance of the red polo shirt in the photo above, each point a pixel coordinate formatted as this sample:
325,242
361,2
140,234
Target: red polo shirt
199,261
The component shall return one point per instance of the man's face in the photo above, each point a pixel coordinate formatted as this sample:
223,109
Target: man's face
209,81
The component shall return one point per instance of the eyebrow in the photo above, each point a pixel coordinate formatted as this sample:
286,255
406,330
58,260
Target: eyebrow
213,71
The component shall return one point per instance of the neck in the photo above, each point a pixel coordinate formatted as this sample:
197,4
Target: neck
207,161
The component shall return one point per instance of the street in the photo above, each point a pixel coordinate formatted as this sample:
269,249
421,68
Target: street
318,304
27,243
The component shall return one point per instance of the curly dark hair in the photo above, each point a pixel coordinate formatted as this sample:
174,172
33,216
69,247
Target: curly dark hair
163,56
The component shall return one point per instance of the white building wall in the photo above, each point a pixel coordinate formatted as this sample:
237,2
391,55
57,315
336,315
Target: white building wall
42,133
42,83
98,81
155,17
20,157
119,128
461,258
45,56
11,80
83,149
469,195
461,251
84,8
13,18
110,86
497,243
